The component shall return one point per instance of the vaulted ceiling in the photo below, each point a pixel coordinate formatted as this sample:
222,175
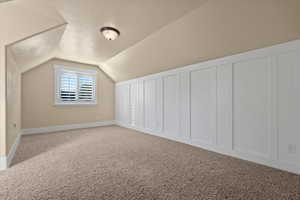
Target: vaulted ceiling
155,35
80,39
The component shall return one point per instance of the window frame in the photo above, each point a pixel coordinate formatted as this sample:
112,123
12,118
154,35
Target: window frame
58,70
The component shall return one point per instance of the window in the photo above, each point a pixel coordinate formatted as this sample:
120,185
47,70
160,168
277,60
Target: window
75,86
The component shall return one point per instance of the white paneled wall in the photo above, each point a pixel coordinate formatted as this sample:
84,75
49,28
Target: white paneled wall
246,105
252,106
203,105
123,108
288,100
224,106
171,106
150,105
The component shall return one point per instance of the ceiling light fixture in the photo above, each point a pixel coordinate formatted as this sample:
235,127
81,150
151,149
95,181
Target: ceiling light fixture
110,33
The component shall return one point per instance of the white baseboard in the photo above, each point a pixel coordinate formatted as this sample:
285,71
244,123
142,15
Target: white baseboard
13,150
65,127
229,152
5,161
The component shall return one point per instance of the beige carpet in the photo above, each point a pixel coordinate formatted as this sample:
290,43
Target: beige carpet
117,163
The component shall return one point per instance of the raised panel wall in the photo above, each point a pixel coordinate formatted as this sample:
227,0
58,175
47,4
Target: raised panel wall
150,104
134,102
252,106
224,106
140,119
171,106
123,104
203,106
246,105
159,105
184,104
288,95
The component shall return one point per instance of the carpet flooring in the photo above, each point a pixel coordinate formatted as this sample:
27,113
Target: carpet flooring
113,163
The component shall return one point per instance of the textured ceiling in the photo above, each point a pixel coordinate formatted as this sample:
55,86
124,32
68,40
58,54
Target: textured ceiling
30,52
81,40
136,19
215,29
155,35
2,1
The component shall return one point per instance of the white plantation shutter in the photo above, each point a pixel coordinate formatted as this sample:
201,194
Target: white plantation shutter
68,87
75,86
86,88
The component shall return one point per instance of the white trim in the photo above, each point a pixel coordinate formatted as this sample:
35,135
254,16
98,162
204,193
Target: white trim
5,161
75,69
75,104
60,69
257,53
240,155
13,150
65,127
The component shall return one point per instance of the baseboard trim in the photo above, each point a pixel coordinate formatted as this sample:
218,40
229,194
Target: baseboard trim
267,162
5,161
13,150
65,127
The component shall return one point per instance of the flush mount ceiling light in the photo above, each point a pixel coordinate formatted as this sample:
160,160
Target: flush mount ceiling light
110,33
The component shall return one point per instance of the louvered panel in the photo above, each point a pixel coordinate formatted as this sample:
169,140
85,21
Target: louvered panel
86,88
75,86
68,87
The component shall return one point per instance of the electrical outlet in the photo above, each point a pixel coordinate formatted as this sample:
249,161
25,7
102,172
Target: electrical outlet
292,148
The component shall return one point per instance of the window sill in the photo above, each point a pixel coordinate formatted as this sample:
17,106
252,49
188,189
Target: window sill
75,104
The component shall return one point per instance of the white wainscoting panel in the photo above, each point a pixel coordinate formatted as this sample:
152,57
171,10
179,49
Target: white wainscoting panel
123,104
184,103
171,106
203,106
245,105
224,106
252,106
150,104
159,104
134,103
140,118
288,107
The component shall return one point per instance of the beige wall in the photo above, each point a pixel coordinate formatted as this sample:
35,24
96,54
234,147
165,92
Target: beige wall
2,101
216,29
13,95
38,109
16,23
